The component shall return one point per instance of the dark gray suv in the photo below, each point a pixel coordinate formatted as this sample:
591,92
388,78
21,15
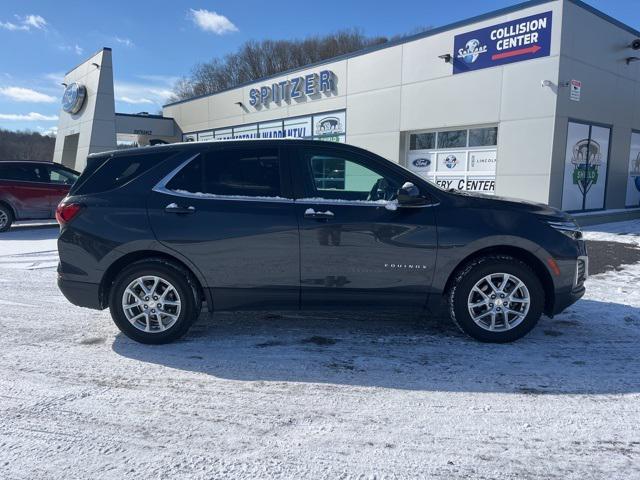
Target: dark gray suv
157,232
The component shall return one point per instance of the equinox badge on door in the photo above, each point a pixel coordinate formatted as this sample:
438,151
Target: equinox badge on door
405,265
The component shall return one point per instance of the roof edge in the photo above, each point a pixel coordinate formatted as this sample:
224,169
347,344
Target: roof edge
156,117
92,55
419,36
375,48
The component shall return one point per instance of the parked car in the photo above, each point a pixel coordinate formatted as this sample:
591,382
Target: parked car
154,233
32,190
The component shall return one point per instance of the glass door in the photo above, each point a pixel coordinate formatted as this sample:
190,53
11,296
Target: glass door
585,171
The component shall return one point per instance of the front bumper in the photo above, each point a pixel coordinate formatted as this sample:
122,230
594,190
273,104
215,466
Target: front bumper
81,294
565,299
567,296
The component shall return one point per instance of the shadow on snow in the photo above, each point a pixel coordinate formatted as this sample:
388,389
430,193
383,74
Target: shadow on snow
591,348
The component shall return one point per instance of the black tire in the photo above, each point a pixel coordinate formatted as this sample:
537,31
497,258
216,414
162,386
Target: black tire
475,271
180,279
5,212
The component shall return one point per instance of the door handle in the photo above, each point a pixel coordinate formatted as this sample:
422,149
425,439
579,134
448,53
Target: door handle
311,213
174,208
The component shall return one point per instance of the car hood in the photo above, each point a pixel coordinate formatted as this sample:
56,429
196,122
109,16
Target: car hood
481,200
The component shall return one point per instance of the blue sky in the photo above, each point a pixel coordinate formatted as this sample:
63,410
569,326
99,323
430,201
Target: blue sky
156,42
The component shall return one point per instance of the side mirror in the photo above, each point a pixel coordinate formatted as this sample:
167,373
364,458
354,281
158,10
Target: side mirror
409,196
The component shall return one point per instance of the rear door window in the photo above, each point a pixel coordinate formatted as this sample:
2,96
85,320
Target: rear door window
117,171
234,172
23,173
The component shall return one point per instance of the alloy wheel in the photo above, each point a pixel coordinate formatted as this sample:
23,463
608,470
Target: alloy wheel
151,304
499,302
4,218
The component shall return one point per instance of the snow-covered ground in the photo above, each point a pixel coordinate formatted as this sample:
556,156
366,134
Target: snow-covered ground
315,395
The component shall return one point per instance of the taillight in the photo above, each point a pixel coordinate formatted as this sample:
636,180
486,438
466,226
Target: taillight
67,211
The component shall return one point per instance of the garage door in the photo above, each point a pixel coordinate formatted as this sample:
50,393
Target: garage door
462,158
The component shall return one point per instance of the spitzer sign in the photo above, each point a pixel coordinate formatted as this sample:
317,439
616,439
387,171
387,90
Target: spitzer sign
522,39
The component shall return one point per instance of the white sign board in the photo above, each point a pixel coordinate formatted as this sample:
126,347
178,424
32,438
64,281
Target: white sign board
205,136
575,88
482,160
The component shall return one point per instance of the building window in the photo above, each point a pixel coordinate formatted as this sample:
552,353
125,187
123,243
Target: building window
329,126
585,171
462,159
422,141
452,139
483,137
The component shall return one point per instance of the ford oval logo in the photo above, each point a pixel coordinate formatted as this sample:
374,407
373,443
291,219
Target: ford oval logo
421,162
73,98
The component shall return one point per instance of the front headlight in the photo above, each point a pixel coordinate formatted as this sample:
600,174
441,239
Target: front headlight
568,228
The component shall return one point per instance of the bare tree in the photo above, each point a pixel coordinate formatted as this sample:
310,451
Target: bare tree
257,59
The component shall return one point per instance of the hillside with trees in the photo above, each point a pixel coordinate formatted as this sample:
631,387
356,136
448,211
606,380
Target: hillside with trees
258,59
26,146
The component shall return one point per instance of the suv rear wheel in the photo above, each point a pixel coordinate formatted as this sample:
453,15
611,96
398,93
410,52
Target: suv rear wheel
153,301
496,298
6,218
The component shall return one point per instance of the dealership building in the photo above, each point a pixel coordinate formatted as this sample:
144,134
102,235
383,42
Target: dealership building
540,101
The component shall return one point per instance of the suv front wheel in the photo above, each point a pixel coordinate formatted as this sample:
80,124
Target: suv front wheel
153,301
496,299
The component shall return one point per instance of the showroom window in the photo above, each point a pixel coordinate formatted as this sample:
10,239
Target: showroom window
462,158
633,182
422,141
452,139
483,137
328,126
585,166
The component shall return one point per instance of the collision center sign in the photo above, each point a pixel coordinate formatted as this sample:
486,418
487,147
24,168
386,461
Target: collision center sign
521,39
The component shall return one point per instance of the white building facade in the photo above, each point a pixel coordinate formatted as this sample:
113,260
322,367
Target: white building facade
540,101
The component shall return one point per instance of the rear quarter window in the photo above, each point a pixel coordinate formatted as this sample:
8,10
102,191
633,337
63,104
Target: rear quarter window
116,172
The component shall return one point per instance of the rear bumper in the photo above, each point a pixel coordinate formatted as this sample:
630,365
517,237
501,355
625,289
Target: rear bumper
80,293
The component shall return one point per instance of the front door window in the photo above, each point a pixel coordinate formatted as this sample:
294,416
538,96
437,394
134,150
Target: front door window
335,177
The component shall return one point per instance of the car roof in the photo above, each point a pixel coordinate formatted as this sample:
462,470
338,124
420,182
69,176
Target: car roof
186,146
36,162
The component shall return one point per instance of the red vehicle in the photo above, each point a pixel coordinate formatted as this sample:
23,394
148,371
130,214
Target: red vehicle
32,190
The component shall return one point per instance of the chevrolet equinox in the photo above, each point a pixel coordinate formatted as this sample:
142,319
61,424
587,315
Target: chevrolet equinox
155,233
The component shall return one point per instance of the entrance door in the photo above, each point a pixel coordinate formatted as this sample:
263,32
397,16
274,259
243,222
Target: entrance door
357,247
227,211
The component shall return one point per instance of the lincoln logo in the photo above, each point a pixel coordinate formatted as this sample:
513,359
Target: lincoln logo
405,265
